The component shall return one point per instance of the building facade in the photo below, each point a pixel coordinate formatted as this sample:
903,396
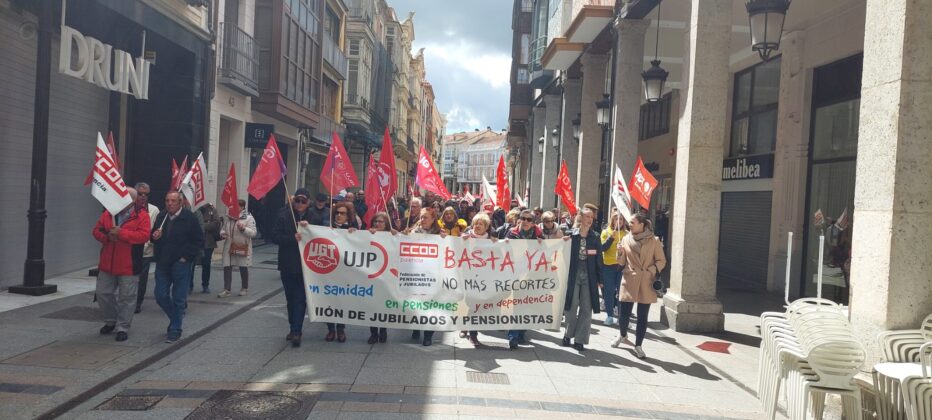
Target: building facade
747,150
163,116
470,155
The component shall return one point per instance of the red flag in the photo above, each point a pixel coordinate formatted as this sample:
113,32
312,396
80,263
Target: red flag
565,189
338,173
230,196
642,184
176,173
427,177
116,159
178,176
374,202
501,183
387,175
269,172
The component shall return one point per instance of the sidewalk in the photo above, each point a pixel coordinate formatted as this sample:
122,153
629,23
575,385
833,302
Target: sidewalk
236,364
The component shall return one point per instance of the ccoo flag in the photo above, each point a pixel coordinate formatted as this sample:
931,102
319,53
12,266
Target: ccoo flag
192,186
338,173
564,189
427,177
269,172
107,185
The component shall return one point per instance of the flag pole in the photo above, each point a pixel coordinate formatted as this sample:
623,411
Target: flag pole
288,201
330,213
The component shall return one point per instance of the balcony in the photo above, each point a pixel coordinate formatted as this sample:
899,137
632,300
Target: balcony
589,20
561,54
239,60
323,134
335,58
539,76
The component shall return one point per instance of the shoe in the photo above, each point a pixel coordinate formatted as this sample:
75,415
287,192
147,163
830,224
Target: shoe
427,341
330,336
374,338
121,336
107,329
639,352
341,336
463,334
609,321
296,340
242,292
513,343
475,342
383,336
224,293
172,337
415,335
205,290
566,342
138,309
289,336
579,347
621,339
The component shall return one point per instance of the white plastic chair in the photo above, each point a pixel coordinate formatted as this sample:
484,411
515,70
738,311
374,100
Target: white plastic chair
901,354
917,389
834,363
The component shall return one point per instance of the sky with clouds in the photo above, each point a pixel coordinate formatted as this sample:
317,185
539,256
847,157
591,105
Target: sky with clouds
467,52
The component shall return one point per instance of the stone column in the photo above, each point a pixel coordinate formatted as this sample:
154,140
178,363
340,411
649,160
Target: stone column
551,160
590,140
628,94
537,158
691,305
569,147
892,236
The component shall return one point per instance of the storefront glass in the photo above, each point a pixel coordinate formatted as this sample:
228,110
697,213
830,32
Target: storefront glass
833,146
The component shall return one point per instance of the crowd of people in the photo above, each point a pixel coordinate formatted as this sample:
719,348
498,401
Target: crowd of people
611,270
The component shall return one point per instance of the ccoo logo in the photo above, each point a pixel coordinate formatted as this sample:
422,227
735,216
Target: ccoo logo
321,255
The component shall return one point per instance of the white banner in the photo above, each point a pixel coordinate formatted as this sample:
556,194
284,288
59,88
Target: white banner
426,282
108,186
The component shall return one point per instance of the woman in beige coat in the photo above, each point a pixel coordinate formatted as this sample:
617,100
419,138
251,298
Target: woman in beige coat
237,234
640,254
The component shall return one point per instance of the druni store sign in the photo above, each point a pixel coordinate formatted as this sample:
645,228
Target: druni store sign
102,65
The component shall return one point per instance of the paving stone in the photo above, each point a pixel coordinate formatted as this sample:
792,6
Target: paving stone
375,407
215,385
323,388
378,389
567,408
406,377
430,408
71,355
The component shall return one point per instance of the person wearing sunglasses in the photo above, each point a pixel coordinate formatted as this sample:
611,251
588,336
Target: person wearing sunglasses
549,226
380,222
528,230
343,218
285,235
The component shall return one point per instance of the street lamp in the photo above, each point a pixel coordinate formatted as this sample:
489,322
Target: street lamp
655,76
602,109
576,130
555,137
540,145
766,19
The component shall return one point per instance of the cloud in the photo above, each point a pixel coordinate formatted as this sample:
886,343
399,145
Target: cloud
459,116
492,67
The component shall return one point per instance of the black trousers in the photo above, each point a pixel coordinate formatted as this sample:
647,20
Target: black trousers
624,309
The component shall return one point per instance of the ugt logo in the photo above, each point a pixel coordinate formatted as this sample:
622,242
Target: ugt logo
321,255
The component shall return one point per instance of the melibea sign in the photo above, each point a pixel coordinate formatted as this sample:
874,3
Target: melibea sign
102,65
750,167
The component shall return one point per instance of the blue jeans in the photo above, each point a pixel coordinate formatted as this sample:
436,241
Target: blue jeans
611,281
171,291
516,334
296,299
205,267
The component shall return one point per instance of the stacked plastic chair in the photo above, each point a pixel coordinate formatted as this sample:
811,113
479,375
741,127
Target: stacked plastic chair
903,383
811,351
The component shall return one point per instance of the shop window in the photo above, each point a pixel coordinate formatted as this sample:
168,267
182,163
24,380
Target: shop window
655,118
754,110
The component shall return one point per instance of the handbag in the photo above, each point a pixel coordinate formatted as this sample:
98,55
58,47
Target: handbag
238,250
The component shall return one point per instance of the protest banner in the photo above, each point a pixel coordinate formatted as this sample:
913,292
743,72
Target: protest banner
426,282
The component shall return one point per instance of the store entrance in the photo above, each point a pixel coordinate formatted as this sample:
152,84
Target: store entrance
833,149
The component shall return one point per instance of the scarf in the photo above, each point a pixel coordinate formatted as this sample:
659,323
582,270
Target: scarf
633,241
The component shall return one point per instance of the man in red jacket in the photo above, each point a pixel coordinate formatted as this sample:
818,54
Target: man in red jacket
120,263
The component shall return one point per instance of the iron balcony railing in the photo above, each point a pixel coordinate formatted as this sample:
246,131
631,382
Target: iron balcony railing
239,60
334,56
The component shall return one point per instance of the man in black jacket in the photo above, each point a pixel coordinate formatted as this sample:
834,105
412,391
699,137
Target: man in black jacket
178,240
286,236
320,211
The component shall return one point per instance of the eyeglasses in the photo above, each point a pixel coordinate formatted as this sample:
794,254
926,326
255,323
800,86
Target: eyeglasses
527,219
301,200
378,221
